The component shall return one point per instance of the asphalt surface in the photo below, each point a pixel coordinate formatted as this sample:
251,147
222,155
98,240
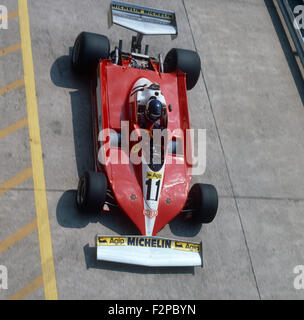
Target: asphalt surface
249,98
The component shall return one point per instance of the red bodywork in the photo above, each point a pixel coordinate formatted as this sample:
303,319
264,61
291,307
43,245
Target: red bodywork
116,83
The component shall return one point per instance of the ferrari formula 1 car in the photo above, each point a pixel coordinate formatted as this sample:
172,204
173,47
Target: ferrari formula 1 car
135,99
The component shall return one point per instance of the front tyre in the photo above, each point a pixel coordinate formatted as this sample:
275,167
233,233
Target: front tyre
204,201
88,49
91,191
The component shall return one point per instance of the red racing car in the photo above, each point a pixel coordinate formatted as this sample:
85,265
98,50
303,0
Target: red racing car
140,122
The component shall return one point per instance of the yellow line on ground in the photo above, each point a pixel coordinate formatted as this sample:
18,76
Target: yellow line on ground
10,49
15,181
13,127
18,235
11,86
44,232
28,289
11,15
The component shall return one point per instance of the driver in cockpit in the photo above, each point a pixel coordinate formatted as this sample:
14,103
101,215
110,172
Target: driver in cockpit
151,117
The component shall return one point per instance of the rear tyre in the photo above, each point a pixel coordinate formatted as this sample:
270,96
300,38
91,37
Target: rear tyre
88,49
91,191
187,61
205,202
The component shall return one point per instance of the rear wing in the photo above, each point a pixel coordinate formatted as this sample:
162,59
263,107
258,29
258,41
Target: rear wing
145,21
149,251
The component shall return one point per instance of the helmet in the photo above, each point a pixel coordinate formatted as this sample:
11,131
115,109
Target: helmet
153,110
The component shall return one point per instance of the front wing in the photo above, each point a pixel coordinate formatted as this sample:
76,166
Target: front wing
149,251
